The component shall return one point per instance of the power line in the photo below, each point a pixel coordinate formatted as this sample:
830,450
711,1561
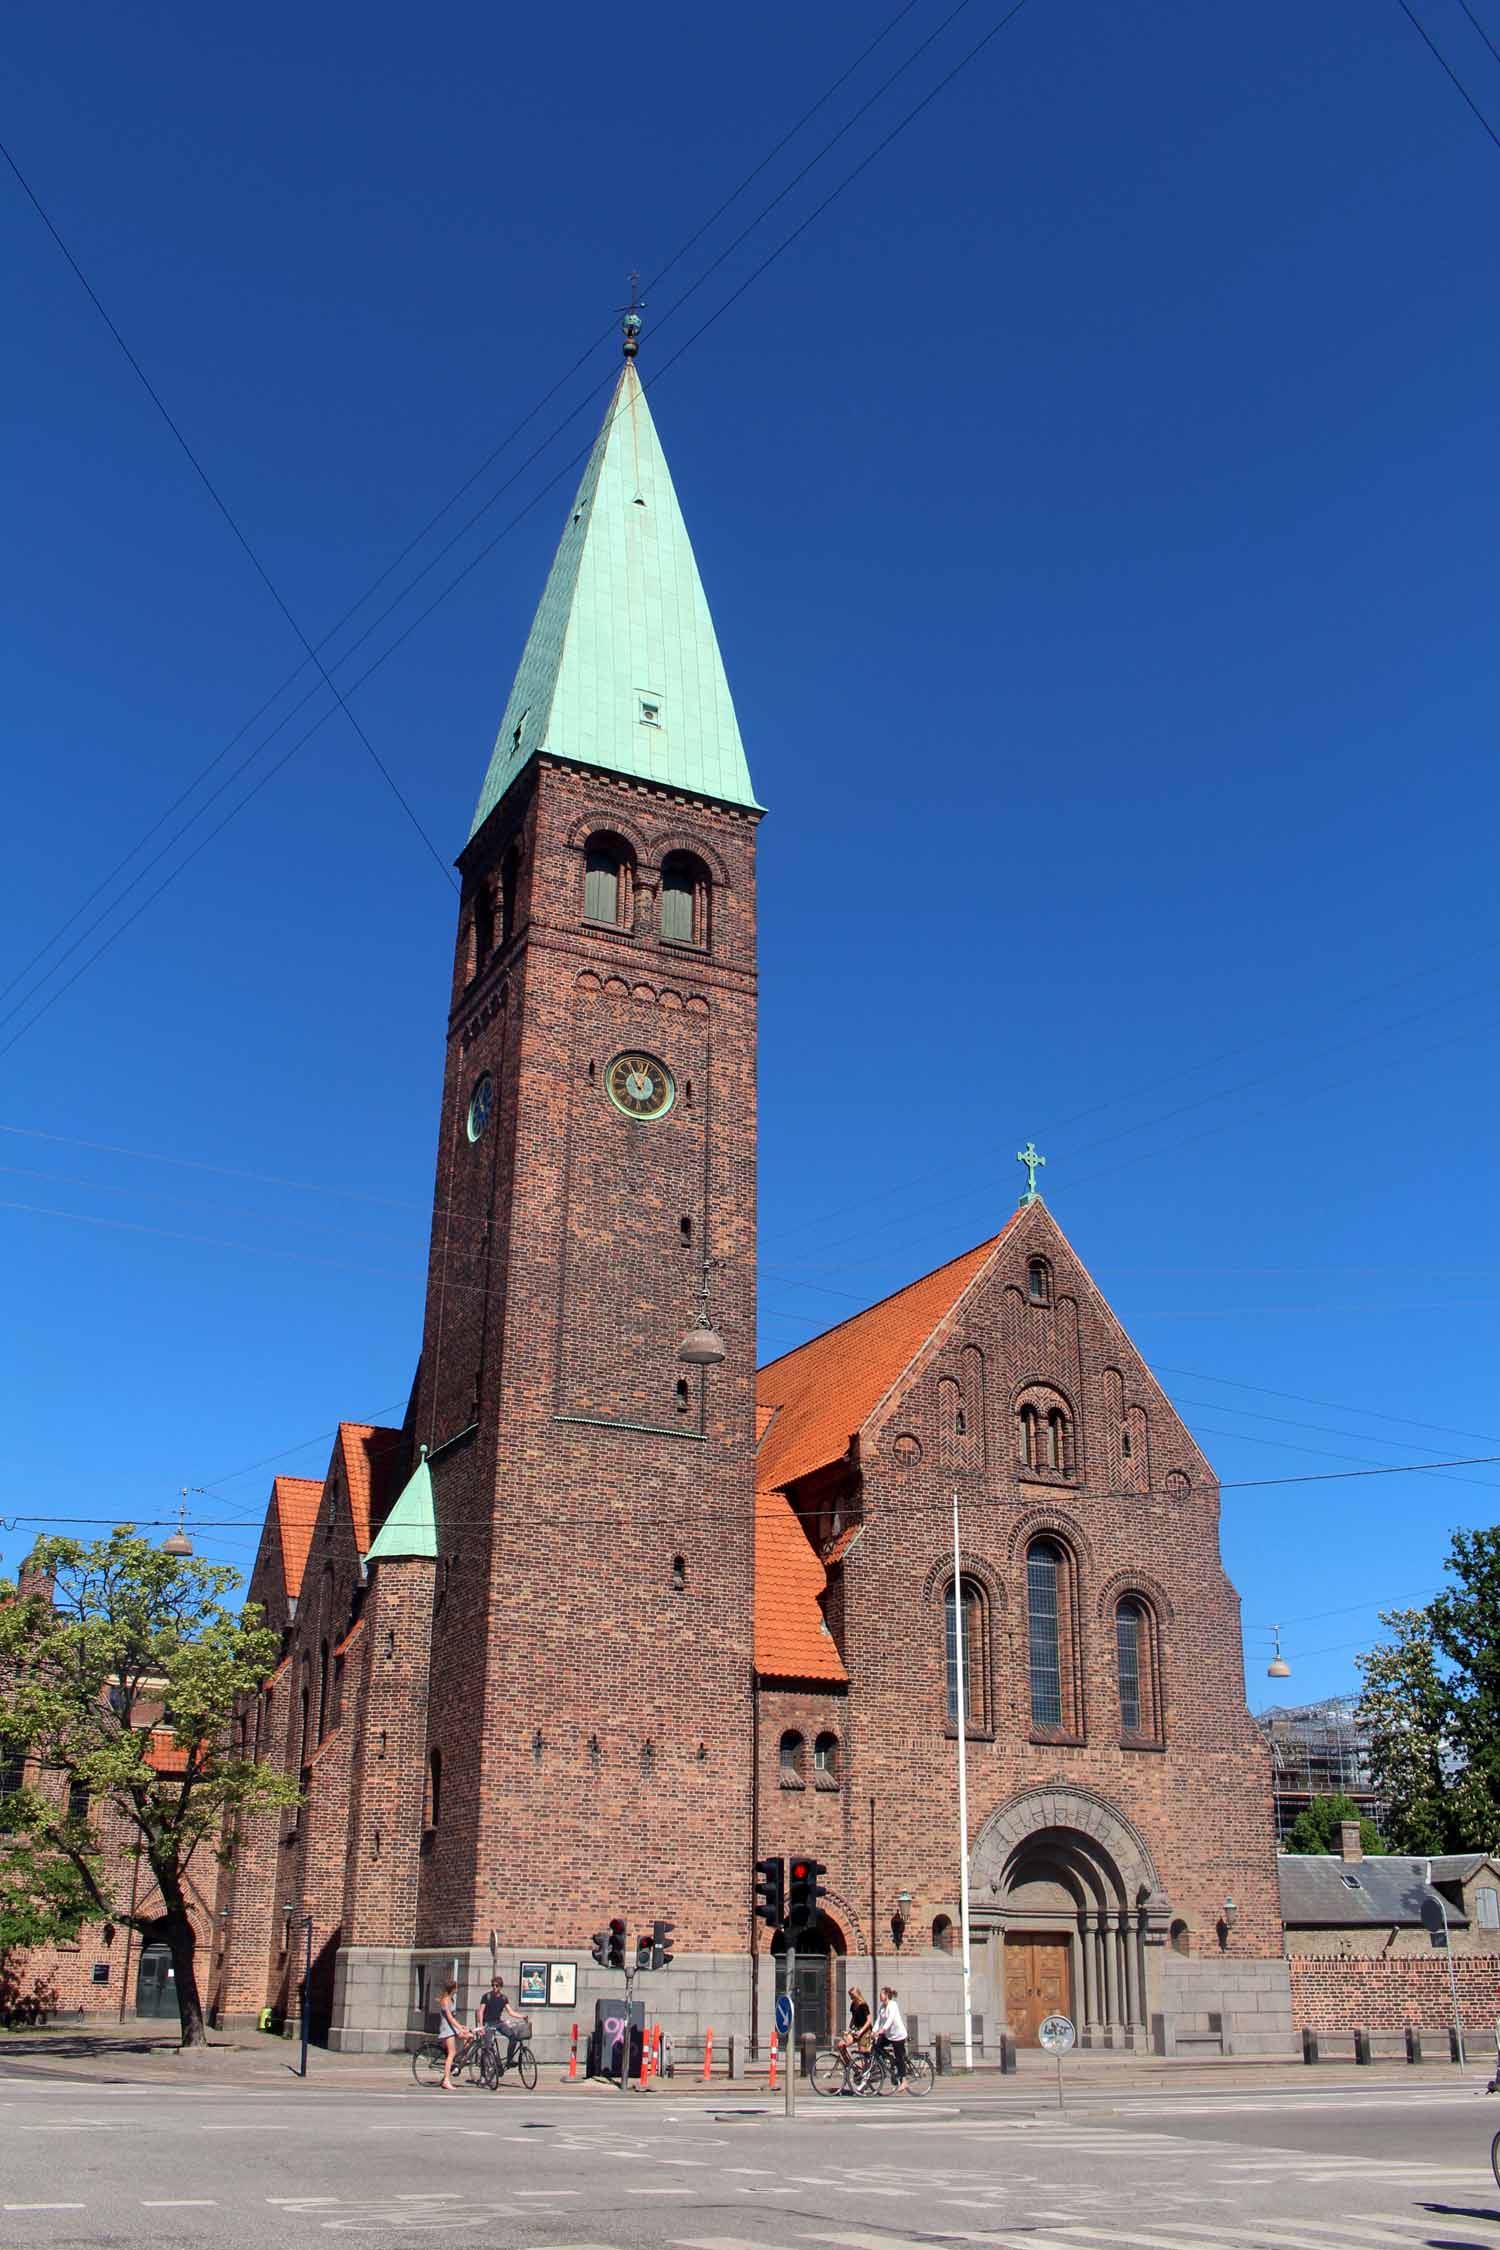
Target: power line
1446,67
474,561
221,1171
1479,27
223,506
457,494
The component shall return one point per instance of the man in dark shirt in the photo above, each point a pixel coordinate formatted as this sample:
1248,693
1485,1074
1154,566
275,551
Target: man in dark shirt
491,2021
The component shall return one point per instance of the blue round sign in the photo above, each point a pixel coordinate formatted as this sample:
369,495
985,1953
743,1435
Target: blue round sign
783,2014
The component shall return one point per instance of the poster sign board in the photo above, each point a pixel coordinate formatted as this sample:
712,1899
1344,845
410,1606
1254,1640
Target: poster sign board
531,1982
562,1984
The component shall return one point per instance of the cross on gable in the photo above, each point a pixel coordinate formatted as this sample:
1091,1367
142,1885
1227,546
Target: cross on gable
1028,1156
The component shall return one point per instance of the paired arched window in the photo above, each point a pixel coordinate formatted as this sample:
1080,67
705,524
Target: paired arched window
943,1933
792,1751
484,927
608,873
1044,1434
826,1758
1137,1669
684,899
510,883
975,1651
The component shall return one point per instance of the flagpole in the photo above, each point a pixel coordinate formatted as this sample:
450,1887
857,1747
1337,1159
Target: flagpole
963,1790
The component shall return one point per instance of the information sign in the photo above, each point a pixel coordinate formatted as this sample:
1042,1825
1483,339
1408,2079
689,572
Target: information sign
1057,2034
783,2014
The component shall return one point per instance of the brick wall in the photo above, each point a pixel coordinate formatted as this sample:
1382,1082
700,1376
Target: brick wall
1340,1993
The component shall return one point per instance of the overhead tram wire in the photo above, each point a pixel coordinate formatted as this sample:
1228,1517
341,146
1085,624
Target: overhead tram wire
452,500
909,117
1446,67
224,509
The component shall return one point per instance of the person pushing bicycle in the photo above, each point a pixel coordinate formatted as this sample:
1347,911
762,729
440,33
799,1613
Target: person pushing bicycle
493,2011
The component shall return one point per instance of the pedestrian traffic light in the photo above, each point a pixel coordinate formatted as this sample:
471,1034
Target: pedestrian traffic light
601,1948
643,1951
661,1944
770,1891
805,1892
616,1943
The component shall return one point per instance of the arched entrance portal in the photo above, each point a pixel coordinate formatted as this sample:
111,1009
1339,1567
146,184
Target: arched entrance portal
1067,1886
817,1987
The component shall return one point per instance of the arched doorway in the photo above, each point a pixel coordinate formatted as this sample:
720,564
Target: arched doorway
818,1986
156,1981
1073,1901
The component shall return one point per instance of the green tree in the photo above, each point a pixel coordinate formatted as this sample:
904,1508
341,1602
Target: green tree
1316,1829
1431,1703
131,1637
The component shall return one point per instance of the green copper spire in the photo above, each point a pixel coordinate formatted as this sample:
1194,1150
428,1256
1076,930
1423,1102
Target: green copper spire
622,670
411,1527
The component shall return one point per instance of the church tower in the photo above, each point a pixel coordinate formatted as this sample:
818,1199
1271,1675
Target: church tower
589,1715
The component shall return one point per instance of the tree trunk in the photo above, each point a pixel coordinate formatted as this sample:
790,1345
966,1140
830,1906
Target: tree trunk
179,1934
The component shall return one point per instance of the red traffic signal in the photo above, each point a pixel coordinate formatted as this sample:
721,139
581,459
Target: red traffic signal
806,1891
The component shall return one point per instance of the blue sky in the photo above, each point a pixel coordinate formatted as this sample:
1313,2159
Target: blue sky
1096,504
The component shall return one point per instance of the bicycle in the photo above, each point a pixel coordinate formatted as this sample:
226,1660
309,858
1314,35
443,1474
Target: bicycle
428,2060
492,2066
835,2072
1495,2158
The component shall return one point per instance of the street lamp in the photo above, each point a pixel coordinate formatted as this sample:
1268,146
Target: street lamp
900,1916
703,1346
1278,1668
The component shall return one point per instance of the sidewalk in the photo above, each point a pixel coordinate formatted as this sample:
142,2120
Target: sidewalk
149,2055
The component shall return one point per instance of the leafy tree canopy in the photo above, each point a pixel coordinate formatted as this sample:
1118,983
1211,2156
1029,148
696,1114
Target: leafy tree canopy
131,1641
1317,1828
1431,1703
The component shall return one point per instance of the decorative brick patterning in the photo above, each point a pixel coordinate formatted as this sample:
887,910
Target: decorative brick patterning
1349,1994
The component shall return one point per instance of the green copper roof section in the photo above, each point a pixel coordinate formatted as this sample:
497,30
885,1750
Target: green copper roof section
622,669
410,1530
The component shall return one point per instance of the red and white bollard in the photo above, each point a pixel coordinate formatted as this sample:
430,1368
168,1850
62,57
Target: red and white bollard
773,2062
708,2054
573,2055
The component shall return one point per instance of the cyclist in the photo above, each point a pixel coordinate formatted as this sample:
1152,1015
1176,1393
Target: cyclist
856,2041
890,2034
493,2010
451,2032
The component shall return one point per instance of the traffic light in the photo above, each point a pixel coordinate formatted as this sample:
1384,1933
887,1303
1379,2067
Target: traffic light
661,1944
601,1948
806,1892
770,1891
643,1951
616,1943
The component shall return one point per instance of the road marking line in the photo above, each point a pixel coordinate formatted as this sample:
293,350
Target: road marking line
527,2194
179,2203
43,2206
661,2191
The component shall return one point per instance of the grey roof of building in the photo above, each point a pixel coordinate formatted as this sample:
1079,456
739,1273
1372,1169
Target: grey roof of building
1322,1891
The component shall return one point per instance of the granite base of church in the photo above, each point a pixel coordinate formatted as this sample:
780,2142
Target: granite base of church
385,1998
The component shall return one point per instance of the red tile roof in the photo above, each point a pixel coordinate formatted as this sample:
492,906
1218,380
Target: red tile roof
791,1640
827,1389
296,1501
370,1455
836,1549
164,1754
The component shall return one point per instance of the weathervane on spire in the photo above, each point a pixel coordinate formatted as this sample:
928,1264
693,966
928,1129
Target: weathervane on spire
631,319
1028,1156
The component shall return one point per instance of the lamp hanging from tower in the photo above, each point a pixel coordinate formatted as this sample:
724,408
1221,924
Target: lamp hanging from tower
703,1346
1278,1668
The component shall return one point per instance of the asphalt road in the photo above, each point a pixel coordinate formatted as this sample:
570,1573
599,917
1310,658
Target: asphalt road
1404,2167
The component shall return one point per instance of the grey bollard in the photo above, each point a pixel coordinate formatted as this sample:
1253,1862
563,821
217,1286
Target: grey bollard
807,2047
1413,2044
942,2054
729,2055
1007,2053
1309,2046
1362,2047
1454,2052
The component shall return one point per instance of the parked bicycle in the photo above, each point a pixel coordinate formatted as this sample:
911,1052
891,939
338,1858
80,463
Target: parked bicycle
837,2071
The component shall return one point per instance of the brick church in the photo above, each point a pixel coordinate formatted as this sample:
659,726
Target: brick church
609,1617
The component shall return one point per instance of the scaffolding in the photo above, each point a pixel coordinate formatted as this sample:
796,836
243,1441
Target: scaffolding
1318,1750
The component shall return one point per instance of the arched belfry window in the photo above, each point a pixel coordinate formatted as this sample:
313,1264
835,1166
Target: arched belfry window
1045,1438
975,1656
510,883
607,877
1038,1281
432,1795
793,1753
684,900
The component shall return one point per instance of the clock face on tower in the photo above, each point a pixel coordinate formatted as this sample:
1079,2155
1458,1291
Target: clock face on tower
481,1102
640,1086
